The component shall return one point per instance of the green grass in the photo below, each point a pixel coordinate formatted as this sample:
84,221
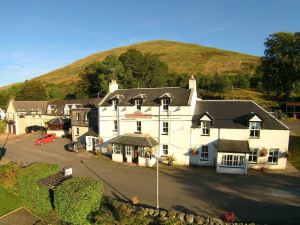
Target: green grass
8,202
181,58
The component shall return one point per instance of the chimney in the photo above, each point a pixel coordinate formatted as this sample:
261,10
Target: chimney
192,83
113,86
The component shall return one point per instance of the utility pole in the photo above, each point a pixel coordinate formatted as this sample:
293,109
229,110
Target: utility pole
157,180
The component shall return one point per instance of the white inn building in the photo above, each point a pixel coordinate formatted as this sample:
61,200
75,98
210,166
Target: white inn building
232,135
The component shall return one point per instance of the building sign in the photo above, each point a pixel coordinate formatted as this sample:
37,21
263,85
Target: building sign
138,115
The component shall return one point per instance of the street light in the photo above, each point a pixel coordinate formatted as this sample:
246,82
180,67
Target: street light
157,180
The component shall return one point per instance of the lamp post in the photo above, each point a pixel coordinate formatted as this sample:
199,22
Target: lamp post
157,180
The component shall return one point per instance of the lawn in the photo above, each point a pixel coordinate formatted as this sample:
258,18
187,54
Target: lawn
8,202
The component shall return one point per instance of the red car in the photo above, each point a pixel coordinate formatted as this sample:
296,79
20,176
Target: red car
45,139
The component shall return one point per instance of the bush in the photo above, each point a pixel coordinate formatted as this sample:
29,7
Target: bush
35,196
2,126
76,198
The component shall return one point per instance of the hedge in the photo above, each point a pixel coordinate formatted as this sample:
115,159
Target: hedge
34,195
76,198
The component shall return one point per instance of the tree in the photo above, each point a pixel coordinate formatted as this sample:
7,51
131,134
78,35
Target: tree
146,69
76,198
32,91
281,64
96,76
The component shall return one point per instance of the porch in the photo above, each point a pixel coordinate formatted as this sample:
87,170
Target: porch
232,157
134,148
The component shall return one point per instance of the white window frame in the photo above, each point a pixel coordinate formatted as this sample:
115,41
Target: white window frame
165,104
86,118
138,104
204,153
138,126
233,161
77,116
114,104
142,152
253,155
165,149
254,127
128,150
272,157
115,125
205,128
117,149
76,131
165,128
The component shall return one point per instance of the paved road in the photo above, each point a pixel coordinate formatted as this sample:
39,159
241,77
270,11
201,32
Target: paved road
257,197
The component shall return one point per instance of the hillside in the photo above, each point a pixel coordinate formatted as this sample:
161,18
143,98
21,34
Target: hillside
181,57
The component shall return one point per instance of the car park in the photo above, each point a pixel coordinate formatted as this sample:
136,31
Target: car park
46,138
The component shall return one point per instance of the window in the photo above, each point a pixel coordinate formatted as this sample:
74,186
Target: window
77,131
205,127
138,126
138,104
253,155
128,149
254,129
166,103
77,116
114,105
204,153
117,149
165,128
232,161
273,156
86,118
142,152
165,149
115,125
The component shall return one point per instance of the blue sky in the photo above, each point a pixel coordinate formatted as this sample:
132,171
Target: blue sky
39,36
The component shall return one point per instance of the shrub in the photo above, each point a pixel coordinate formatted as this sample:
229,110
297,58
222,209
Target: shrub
229,217
35,196
171,213
2,126
76,198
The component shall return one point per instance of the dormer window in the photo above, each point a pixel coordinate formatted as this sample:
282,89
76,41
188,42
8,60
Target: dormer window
254,127
165,104
205,126
255,124
114,104
138,104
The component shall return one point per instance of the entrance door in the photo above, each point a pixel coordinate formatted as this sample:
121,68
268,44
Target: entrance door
135,154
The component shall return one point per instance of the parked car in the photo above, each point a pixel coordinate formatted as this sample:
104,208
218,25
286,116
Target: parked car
34,128
75,146
46,138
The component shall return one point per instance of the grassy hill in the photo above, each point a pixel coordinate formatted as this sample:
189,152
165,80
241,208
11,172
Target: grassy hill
181,57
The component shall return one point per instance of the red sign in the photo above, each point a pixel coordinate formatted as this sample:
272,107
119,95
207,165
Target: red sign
138,115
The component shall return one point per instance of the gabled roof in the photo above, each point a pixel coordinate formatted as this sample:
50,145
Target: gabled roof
30,106
58,122
180,96
234,114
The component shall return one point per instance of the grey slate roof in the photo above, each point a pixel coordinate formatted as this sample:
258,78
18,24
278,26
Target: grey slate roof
234,114
135,140
151,96
58,121
30,106
57,106
233,146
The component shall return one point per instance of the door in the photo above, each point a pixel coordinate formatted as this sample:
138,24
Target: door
135,154
14,129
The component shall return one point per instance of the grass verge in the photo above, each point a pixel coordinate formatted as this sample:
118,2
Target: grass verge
8,202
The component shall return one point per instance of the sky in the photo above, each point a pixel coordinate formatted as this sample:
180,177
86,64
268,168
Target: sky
37,36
